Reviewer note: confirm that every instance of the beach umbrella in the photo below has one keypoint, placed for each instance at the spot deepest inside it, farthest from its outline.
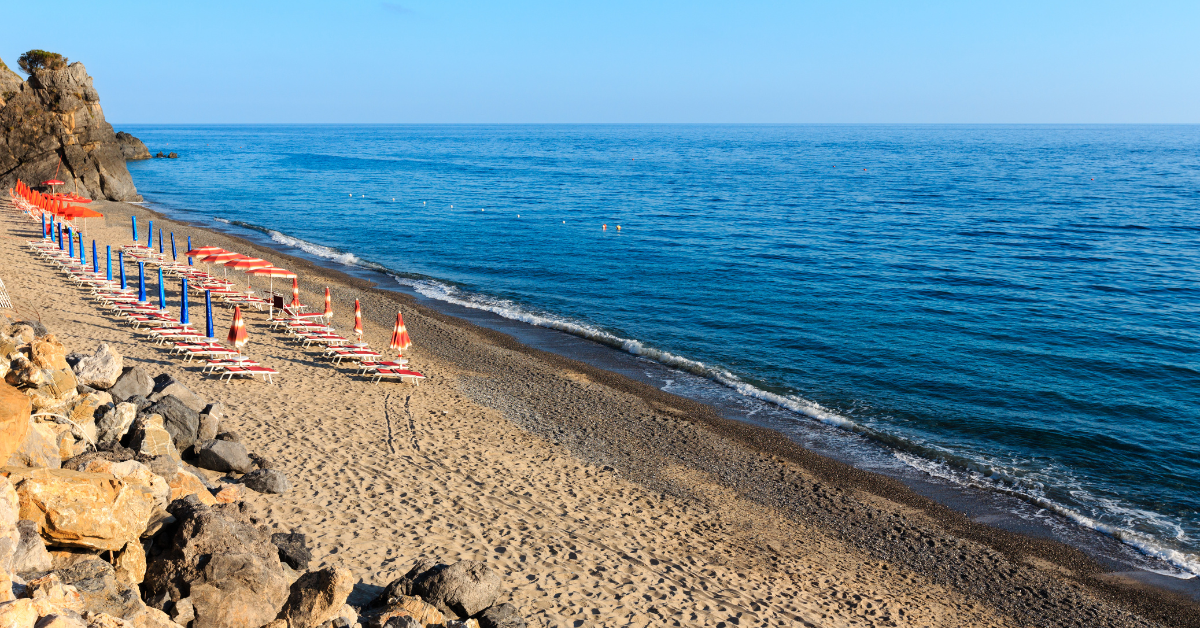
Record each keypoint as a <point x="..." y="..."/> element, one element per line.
<point x="295" y="294"/>
<point x="183" y="308"/>
<point x="189" y="247"/>
<point x="174" y="253"/>
<point x="70" y="243"/>
<point x="160" y="241"/>
<point x="44" y="232"/>
<point x="358" y="330"/>
<point x="141" y="282"/>
<point x="221" y="258"/>
<point x="108" y="264"/>
<point x="400" y="339"/>
<point x="82" y="250"/>
<point x="121" y="265"/>
<point x="52" y="182"/>
<point x="150" y="236"/>
<point x="60" y="242"/>
<point x="328" y="313"/>
<point x="134" y="218"/>
<point x="95" y="259"/>
<point x="237" y="331"/>
<point x="162" y="291"/>
<point x="272" y="272"/>
<point x="202" y="251"/>
<point x="208" y="326"/>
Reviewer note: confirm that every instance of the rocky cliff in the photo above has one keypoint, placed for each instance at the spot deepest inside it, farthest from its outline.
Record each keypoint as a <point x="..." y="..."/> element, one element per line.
<point x="51" y="126"/>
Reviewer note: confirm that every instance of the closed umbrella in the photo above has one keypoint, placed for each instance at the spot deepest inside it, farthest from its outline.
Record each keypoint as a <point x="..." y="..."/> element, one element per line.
<point x="237" y="331"/>
<point x="295" y="293"/>
<point x="183" y="306"/>
<point x="328" y="313"/>
<point x="95" y="259"/>
<point x="82" y="250"/>
<point x="141" y="282"/>
<point x="108" y="263"/>
<point x="121" y="266"/>
<point x="189" y="247"/>
<point x="162" y="291"/>
<point x="160" y="241"/>
<point x="70" y="243"/>
<point x="150" y="236"/>
<point x="174" y="253"/>
<point x="134" y="218"/>
<point x="400" y="339"/>
<point x="44" y="231"/>
<point x="208" y="326"/>
<point x="358" y="330"/>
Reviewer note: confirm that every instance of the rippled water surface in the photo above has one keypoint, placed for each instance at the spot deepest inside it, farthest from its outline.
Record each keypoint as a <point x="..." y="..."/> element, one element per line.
<point x="1009" y="306"/>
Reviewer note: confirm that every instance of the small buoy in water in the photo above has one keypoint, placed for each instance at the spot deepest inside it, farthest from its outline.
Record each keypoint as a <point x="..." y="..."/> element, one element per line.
<point x="864" y="169"/>
<point x="351" y="196"/>
<point x="393" y="198"/>
<point x="605" y="227"/>
<point x="365" y="196"/>
<point x="564" y="222"/>
<point x="451" y="207"/>
<point x="618" y="227"/>
<point x="518" y="215"/>
<point x="422" y="203"/>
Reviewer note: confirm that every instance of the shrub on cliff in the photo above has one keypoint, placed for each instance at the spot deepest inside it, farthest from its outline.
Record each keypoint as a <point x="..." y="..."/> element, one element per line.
<point x="41" y="59"/>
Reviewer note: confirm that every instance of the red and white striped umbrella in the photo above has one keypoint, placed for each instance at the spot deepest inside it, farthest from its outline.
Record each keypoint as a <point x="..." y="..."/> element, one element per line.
<point x="358" y="330"/>
<point x="328" y="305"/>
<point x="237" y="331"/>
<point x="400" y="339"/>
<point x="295" y="293"/>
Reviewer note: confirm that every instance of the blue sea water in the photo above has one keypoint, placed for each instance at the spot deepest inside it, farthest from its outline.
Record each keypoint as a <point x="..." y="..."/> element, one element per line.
<point x="1007" y="306"/>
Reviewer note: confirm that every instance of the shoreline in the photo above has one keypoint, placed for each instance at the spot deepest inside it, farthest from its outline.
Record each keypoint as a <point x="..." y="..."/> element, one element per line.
<point x="762" y="466"/>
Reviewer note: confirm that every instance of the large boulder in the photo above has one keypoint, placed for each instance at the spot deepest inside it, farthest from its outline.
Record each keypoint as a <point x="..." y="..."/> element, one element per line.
<point x="52" y="124"/>
<point x="403" y="610"/>
<point x="134" y="473"/>
<point x="14" y="420"/>
<point x="293" y="549"/>
<point x="317" y="597"/>
<point x="184" y="483"/>
<point x="132" y="149"/>
<point x="462" y="589"/>
<point x="134" y="382"/>
<point x="43" y="446"/>
<point x="225" y="456"/>
<point x="149" y="437"/>
<point x="86" y="510"/>
<point x="267" y="481"/>
<point x="226" y="567"/>
<point x="10" y="536"/>
<point x="31" y="555"/>
<point x="112" y="426"/>
<point x="182" y="422"/>
<point x="102" y="591"/>
<point x="501" y="616"/>
<point x="165" y="386"/>
<point x="83" y="413"/>
<point x="210" y="422"/>
<point x="48" y="353"/>
<point x="100" y="370"/>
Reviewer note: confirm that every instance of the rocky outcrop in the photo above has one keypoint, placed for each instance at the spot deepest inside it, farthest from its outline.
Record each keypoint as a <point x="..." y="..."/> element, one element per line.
<point x="317" y="597"/>
<point x="94" y="511"/>
<point x="99" y="371"/>
<point x="14" y="420"/>
<point x="10" y="83"/>
<point x="462" y="589"/>
<point x="132" y="149"/>
<point x="267" y="481"/>
<point x="52" y="126"/>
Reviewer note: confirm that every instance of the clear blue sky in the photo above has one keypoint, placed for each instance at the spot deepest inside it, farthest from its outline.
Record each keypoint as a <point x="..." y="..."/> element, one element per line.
<point x="615" y="61"/>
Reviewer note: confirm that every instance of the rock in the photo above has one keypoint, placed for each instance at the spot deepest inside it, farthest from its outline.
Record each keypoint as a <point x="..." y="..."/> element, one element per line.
<point x="403" y="621"/>
<point x="454" y="623"/>
<point x="65" y="558"/>
<point x="225" y="456"/>
<point x="261" y="461"/>
<point x="210" y="422"/>
<point x="56" y="394"/>
<point x="185" y="483"/>
<point x="183" y="612"/>
<point x="25" y="331"/>
<point x="83" y="414"/>
<point x="101" y="369"/>
<point x="132" y="149"/>
<point x="31" y="555"/>
<point x="85" y="510"/>
<point x="232" y="437"/>
<point x="140" y="402"/>
<point x="54" y="124"/>
<point x="229" y="493"/>
<point x="267" y="481"/>
<point x="160" y="155"/>
<point x="134" y="382"/>
<point x="41" y="447"/>
<point x="73" y="359"/>
<point x="347" y="617"/>
<point x="53" y="591"/>
<point x="24" y="374"/>
<point x="10" y="537"/>
<point x="179" y="420"/>
<point x="173" y="387"/>
<point x="293" y="549"/>
<point x="388" y="607"/>
<point x="48" y="353"/>
<point x="68" y="619"/>
<point x="134" y="473"/>
<point x="317" y="597"/>
<point x="501" y="616"/>
<point x="172" y="155"/>
<point x="151" y="618"/>
<point x="114" y="424"/>
<point x="130" y="566"/>
<point x="19" y="614"/>
<point x="462" y="589"/>
<point x="14" y="420"/>
<point x="148" y="437"/>
<point x="228" y="567"/>
<point x="97" y="583"/>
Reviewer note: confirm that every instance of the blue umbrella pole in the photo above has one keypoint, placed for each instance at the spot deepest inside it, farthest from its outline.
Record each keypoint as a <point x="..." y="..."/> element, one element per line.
<point x="208" y="325"/>
<point x="141" y="282"/>
<point x="95" y="259"/>
<point x="162" y="291"/>
<point x="150" y="236"/>
<point x="174" y="253"/>
<point x="190" y="248"/>
<point x="121" y="267"/>
<point x="108" y="257"/>
<point x="183" y="304"/>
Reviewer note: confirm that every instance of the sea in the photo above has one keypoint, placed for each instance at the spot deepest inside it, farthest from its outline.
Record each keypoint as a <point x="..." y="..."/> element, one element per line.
<point x="1011" y="310"/>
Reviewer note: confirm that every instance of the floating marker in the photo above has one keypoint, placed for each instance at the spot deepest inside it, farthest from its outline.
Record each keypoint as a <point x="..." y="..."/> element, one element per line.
<point x="605" y="227"/>
<point x="564" y="222"/>
<point x="618" y="227"/>
<point x="518" y="215"/>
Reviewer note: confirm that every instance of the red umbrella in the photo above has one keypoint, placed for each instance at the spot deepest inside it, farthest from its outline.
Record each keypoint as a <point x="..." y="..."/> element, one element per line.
<point x="272" y="272"/>
<point x="52" y="182"/>
<point x="205" y="251"/>
<point x="400" y="339"/>
<point x="358" y="331"/>
<point x="248" y="263"/>
<point x="328" y="305"/>
<point x="295" y="294"/>
<point x="237" y="331"/>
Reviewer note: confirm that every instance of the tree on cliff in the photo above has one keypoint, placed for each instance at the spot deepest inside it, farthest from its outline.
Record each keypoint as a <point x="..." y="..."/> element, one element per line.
<point x="41" y="59"/>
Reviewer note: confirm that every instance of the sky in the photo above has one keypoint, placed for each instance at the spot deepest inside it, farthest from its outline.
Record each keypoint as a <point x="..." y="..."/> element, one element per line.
<point x="410" y="61"/>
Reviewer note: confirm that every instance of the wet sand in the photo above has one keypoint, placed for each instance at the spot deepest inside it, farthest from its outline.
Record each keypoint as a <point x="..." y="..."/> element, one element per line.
<point x="602" y="501"/>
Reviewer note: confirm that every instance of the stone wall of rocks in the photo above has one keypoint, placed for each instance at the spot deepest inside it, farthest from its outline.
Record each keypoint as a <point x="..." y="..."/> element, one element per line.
<point x="121" y="505"/>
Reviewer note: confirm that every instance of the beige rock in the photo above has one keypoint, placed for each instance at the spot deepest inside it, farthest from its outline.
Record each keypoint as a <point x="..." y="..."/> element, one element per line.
<point x="317" y="597"/>
<point x="134" y="472"/>
<point x="62" y="620"/>
<point x="10" y="536"/>
<point x="114" y="425"/>
<point x="184" y="484"/>
<point x="152" y="439"/>
<point x="40" y="447"/>
<point x="51" y="589"/>
<point x="104" y="620"/>
<point x="56" y="395"/>
<point x="14" y="419"/>
<point x="23" y="373"/>
<point x="278" y="623"/>
<point x="100" y="370"/>
<point x="151" y="618"/>
<point x="77" y="509"/>
<point x="21" y="613"/>
<point x="48" y="353"/>
<point x="229" y="493"/>
<point x="131" y="563"/>
<point x="409" y="606"/>
<point x="83" y="413"/>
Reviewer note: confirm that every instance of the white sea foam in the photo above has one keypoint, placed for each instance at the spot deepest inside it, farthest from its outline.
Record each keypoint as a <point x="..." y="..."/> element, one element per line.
<point x="324" y="252"/>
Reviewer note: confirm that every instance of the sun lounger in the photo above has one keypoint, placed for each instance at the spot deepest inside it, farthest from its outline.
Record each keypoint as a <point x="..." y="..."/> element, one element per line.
<point x="405" y="376"/>
<point x="366" y="366"/>
<point x="337" y="355"/>
<point x="248" y="371"/>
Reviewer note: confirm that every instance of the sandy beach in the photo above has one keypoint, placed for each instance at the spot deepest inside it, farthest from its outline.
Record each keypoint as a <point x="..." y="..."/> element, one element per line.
<point x="601" y="501"/>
